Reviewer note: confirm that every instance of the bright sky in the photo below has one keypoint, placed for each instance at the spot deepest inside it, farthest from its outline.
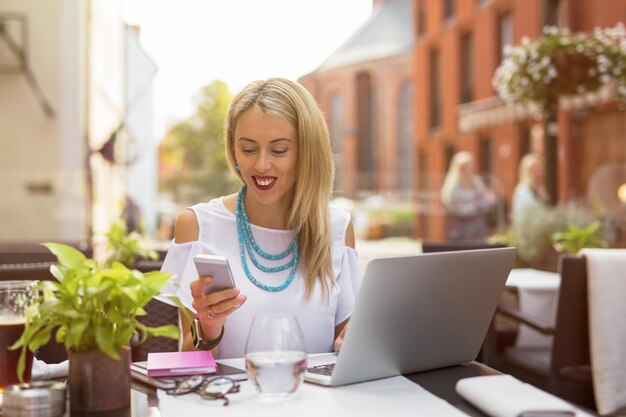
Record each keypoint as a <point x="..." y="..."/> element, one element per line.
<point x="194" y="42"/>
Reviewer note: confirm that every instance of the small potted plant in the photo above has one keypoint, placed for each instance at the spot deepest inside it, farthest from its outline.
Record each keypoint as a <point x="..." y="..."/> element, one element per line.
<point x="576" y="238"/>
<point x="127" y="247"/>
<point x="94" y="310"/>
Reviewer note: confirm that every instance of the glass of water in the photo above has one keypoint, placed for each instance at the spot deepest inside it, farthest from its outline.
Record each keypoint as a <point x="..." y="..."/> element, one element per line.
<point x="275" y="354"/>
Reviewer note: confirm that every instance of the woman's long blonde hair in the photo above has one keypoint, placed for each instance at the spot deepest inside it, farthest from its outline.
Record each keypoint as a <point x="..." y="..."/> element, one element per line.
<point x="453" y="177"/>
<point x="309" y="215"/>
<point x="526" y="176"/>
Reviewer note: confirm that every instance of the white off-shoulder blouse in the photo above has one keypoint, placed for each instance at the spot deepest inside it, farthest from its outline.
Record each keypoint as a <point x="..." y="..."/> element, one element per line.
<point x="317" y="317"/>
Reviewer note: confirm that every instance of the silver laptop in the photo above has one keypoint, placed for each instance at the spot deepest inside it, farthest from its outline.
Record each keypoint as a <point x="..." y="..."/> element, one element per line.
<point x="415" y="313"/>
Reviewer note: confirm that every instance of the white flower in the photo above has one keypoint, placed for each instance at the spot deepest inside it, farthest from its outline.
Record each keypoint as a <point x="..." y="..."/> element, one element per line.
<point x="530" y="65"/>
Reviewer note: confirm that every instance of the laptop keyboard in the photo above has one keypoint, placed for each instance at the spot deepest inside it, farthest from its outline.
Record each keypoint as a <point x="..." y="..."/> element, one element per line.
<point x="326" y="369"/>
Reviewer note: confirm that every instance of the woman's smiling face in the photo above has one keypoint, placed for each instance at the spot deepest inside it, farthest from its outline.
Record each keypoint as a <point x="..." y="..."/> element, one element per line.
<point x="266" y="150"/>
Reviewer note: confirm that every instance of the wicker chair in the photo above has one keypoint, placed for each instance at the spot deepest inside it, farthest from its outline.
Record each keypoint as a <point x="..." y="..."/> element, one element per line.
<point x="158" y="314"/>
<point x="20" y="253"/>
<point x="39" y="271"/>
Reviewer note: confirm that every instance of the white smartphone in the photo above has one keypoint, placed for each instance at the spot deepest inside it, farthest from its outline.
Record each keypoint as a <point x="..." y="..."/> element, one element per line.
<point x="218" y="268"/>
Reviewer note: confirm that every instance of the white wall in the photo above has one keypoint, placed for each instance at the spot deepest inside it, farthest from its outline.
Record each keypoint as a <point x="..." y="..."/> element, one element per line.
<point x="142" y="174"/>
<point x="78" y="64"/>
<point x="106" y="107"/>
<point x="33" y="158"/>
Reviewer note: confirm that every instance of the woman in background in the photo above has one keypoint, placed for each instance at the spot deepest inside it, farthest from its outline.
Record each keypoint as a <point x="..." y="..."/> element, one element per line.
<point x="467" y="200"/>
<point x="530" y="190"/>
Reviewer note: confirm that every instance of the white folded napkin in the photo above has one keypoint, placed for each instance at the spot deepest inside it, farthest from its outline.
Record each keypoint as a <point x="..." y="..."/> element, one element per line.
<point x="606" y="282"/>
<point x="506" y="396"/>
<point x="42" y="370"/>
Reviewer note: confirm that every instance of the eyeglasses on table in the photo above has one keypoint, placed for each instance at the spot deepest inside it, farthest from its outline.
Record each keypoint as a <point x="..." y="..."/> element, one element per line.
<point x="209" y="388"/>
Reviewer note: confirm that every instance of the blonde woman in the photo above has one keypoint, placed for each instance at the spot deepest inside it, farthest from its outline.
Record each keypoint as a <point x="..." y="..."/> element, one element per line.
<point x="467" y="200"/>
<point x="530" y="190"/>
<point x="278" y="145"/>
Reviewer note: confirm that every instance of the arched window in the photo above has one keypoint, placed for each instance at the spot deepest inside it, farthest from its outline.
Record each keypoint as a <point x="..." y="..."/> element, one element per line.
<point x="405" y="139"/>
<point x="365" y="132"/>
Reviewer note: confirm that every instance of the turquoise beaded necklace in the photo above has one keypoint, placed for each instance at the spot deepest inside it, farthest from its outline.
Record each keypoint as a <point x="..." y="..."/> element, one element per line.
<point x="247" y="242"/>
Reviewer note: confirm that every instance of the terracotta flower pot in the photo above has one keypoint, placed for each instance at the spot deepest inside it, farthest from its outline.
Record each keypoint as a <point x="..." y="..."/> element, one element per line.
<point x="99" y="383"/>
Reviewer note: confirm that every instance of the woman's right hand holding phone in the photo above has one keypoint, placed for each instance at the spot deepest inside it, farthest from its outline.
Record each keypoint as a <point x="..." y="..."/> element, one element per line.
<point x="212" y="309"/>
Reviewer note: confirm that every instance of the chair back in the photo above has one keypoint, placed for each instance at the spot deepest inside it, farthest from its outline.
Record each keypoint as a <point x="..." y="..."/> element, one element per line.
<point x="570" y="349"/>
<point x="39" y="271"/>
<point x="570" y="375"/>
<point x="158" y="314"/>
<point x="20" y="253"/>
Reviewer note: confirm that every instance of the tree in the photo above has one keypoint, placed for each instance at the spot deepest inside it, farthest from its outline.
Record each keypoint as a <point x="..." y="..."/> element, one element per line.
<point x="192" y="155"/>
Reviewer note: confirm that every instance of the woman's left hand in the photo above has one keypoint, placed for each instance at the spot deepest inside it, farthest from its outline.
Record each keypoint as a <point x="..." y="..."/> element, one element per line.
<point x="342" y="333"/>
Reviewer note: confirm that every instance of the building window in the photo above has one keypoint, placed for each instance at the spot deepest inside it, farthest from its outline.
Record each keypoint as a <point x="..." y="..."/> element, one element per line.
<point x="448" y="9"/>
<point x="336" y="136"/>
<point x="505" y="33"/>
<point x="485" y="157"/>
<point x="449" y="152"/>
<point x="405" y="139"/>
<point x="467" y="68"/>
<point x="421" y="18"/>
<point x="435" y="89"/>
<point x="550" y="15"/>
<point x="365" y="133"/>
<point x="524" y="140"/>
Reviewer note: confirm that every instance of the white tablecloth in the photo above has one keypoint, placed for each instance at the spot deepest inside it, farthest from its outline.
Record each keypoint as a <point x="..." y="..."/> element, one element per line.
<point x="538" y="293"/>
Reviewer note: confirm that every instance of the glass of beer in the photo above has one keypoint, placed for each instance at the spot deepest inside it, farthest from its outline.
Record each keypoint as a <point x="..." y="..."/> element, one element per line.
<point x="15" y="296"/>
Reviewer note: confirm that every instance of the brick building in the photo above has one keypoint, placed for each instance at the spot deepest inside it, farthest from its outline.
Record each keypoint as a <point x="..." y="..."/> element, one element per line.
<point x="458" y="46"/>
<point x="365" y="89"/>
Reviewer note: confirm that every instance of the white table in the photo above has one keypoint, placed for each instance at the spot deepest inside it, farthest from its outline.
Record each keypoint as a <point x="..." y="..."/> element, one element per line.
<point x="396" y="396"/>
<point x="538" y="293"/>
<point x="430" y="393"/>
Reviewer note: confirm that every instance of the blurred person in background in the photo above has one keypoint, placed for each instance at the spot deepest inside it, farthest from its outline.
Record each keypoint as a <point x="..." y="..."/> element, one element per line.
<point x="131" y="213"/>
<point x="530" y="190"/>
<point x="467" y="200"/>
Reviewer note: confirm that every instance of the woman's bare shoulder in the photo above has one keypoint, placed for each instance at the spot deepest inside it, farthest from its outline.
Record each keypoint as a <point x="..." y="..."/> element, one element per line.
<point x="187" y="229"/>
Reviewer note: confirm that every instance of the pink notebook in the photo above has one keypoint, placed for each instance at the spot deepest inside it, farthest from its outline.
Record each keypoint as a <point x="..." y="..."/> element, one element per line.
<point x="180" y="363"/>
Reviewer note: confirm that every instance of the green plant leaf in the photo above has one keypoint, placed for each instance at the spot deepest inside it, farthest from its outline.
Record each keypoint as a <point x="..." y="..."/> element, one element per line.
<point x="61" y="332"/>
<point x="104" y="339"/>
<point x="40" y="338"/>
<point x="75" y="332"/>
<point x="124" y="335"/>
<point x="57" y="272"/>
<point x="170" y="331"/>
<point x="67" y="255"/>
